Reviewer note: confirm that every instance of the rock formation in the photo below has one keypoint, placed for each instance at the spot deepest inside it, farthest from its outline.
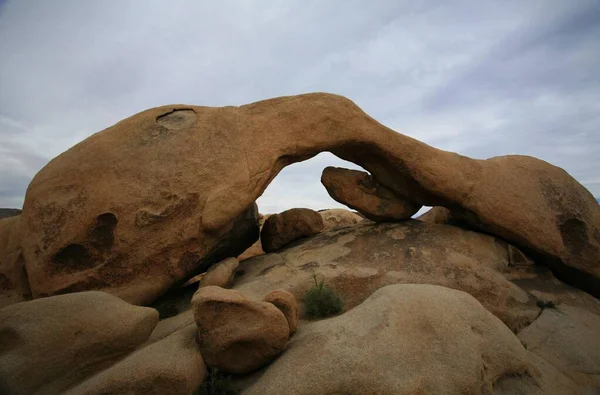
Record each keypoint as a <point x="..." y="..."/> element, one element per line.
<point x="171" y="219"/>
<point x="221" y="274"/>
<point x="358" y="190"/>
<point x="283" y="228"/>
<point x="52" y="343"/>
<point x="286" y="303"/>
<point x="410" y="339"/>
<point x="235" y="334"/>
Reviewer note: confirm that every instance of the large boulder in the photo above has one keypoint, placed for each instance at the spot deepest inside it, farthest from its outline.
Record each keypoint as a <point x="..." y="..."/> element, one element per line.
<point x="235" y="334"/>
<point x="287" y="226"/>
<point x="100" y="217"/>
<point x="360" y="191"/>
<point x="410" y="339"/>
<point x="568" y="338"/>
<point x="52" y="343"/>
<point x="356" y="261"/>
<point x="14" y="285"/>
<point x="171" y="366"/>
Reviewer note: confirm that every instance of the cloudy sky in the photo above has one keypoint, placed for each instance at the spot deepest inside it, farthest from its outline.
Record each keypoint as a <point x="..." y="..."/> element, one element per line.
<point x="481" y="78"/>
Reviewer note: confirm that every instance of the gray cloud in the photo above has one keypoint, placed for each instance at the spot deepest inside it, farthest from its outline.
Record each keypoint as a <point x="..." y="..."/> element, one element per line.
<point x="481" y="78"/>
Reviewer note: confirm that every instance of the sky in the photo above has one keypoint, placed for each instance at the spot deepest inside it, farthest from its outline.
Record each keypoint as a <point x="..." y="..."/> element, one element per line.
<point x="481" y="78"/>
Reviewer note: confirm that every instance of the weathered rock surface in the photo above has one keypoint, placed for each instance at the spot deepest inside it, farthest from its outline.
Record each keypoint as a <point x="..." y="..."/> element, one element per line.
<point x="221" y="274"/>
<point x="9" y="212"/>
<point x="339" y="218"/>
<point x="171" y="366"/>
<point x="235" y="334"/>
<point x="410" y="339"/>
<point x="256" y="248"/>
<point x="52" y="343"/>
<point x="287" y="304"/>
<point x="287" y="226"/>
<point x="360" y="191"/>
<point x="167" y="219"/>
<point x="568" y="338"/>
<point x="356" y="261"/>
<point x="14" y="285"/>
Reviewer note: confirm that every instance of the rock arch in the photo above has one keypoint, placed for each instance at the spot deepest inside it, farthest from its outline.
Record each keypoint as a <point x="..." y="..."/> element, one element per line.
<point x="182" y="181"/>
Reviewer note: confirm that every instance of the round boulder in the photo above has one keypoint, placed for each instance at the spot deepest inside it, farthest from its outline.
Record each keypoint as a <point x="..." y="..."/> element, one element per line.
<point x="286" y="302"/>
<point x="237" y="335"/>
<point x="283" y="228"/>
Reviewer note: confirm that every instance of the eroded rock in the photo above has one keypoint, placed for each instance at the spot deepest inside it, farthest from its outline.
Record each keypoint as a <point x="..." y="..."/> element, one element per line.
<point x="410" y="339"/>
<point x="235" y="334"/>
<point x="14" y="284"/>
<point x="286" y="302"/>
<point x="360" y="191"/>
<point x="52" y="343"/>
<point x="173" y="215"/>
<point x="221" y="274"/>
<point x="287" y="226"/>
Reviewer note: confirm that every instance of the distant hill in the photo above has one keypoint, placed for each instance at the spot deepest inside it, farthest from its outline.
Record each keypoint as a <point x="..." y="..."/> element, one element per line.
<point x="9" y="212"/>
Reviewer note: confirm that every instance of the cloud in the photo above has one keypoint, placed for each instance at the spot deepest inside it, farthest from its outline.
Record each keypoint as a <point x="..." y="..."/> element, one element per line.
<point x="479" y="78"/>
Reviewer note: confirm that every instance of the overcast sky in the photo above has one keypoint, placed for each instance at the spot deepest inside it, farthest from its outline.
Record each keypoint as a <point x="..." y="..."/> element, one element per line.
<point x="482" y="78"/>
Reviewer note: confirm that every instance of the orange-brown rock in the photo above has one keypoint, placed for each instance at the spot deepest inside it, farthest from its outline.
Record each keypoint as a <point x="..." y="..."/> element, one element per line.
<point x="156" y="196"/>
<point x="286" y="302"/>
<point x="287" y="226"/>
<point x="221" y="274"/>
<point x="235" y="334"/>
<point x="360" y="191"/>
<point x="49" y="344"/>
<point x="410" y="339"/>
<point x="14" y="285"/>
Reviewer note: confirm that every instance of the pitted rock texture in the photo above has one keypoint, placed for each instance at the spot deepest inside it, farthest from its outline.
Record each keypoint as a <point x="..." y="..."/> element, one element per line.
<point x="358" y="190"/>
<point x="176" y="182"/>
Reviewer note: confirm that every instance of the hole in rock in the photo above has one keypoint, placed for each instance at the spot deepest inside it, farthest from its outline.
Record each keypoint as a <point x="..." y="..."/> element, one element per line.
<point x="73" y="257"/>
<point x="103" y="232"/>
<point x="299" y="185"/>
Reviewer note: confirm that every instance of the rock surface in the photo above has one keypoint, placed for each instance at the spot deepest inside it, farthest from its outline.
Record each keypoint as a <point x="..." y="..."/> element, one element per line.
<point x="9" y="212"/>
<point x="221" y="274"/>
<point x="410" y="339"/>
<point x="52" y="343"/>
<point x="287" y="304"/>
<point x="356" y="261"/>
<point x="569" y="339"/>
<point x="167" y="220"/>
<point x="360" y="191"/>
<point x="339" y="218"/>
<point x="287" y="226"/>
<point x="14" y="285"/>
<point x="235" y="334"/>
<point x="171" y="366"/>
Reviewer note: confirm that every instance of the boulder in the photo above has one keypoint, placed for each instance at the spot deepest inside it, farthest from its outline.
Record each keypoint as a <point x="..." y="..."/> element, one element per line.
<point x="286" y="302"/>
<point x="171" y="366"/>
<point x="356" y="261"/>
<point x="568" y="338"/>
<point x="52" y="343"/>
<point x="410" y="339"/>
<point x="9" y="212"/>
<point x="256" y="248"/>
<point x="98" y="217"/>
<point x="221" y="274"/>
<point x="360" y="191"/>
<point x="14" y="285"/>
<point x="339" y="218"/>
<point x="283" y="228"/>
<point x="235" y="334"/>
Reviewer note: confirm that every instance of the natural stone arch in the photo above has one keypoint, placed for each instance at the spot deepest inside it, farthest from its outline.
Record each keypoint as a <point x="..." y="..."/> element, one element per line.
<point x="181" y="179"/>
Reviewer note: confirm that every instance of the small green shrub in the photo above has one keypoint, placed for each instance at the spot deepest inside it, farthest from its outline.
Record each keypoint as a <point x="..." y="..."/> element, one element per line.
<point x="321" y="301"/>
<point x="545" y="304"/>
<point x="216" y="384"/>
